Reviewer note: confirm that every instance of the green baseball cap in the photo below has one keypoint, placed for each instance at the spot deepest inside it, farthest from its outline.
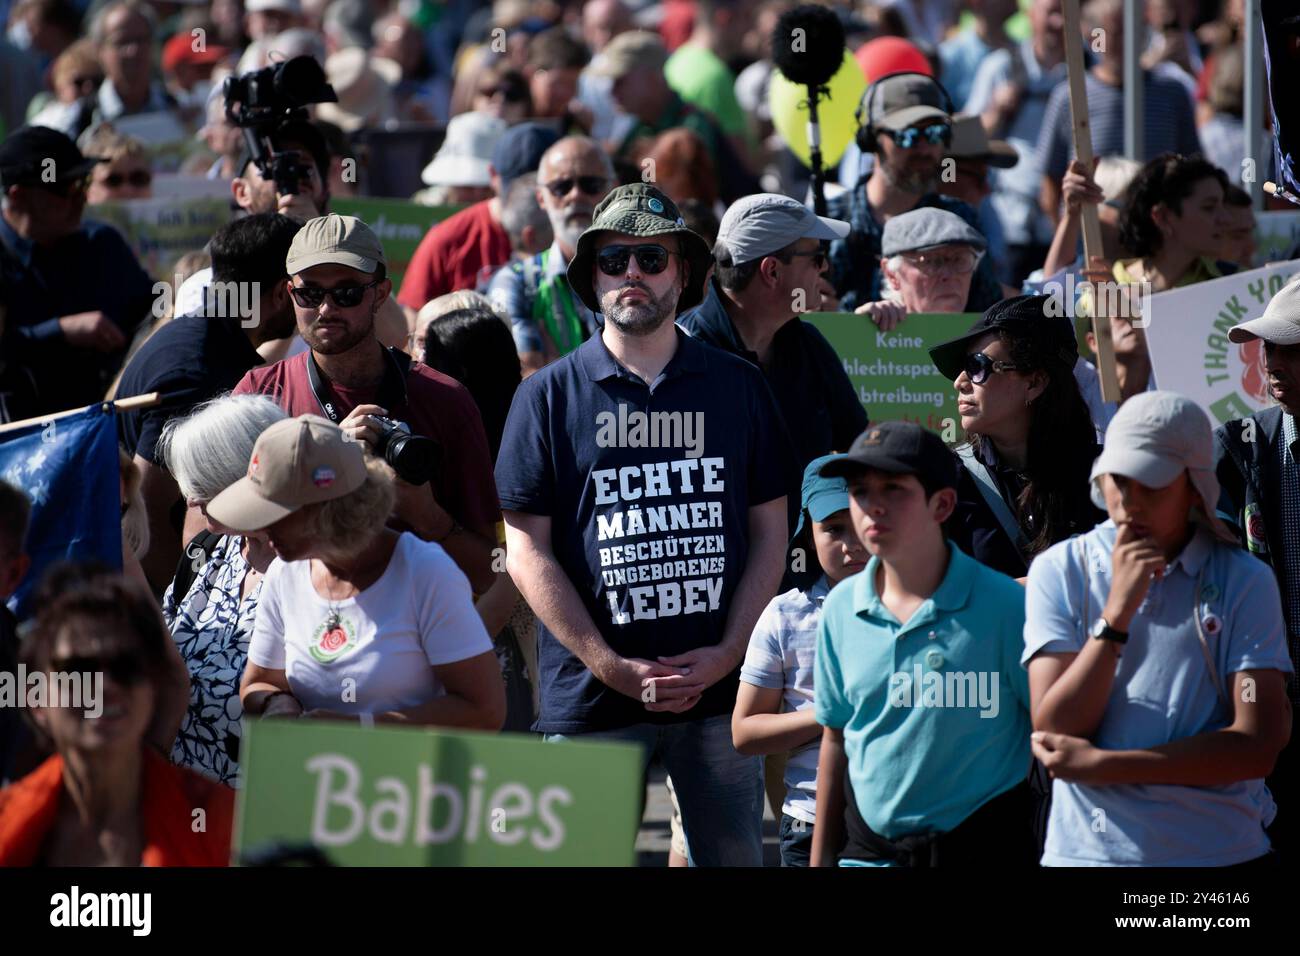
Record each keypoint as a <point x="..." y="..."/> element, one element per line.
<point x="643" y="211"/>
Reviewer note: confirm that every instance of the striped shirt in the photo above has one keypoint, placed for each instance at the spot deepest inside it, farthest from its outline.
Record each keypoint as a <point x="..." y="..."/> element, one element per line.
<point x="1169" y="123"/>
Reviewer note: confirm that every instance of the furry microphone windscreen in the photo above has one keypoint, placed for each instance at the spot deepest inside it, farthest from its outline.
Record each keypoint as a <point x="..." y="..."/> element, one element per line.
<point x="808" y="44"/>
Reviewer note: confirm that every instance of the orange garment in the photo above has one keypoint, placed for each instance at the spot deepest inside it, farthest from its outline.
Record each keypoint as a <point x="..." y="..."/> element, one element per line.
<point x="171" y="794"/>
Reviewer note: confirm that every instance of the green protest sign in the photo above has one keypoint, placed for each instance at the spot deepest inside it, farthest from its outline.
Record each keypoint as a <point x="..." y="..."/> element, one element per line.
<point x="399" y="224"/>
<point x="892" y="372"/>
<point x="163" y="229"/>
<point x="416" y="797"/>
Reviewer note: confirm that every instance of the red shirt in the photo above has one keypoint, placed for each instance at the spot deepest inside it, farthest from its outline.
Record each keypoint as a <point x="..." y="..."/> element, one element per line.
<point x="439" y="407"/>
<point x="452" y="253"/>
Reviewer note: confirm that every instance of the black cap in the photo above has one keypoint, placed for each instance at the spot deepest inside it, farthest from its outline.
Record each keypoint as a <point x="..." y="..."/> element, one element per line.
<point x="1037" y="320"/>
<point x="24" y="155"/>
<point x="902" y="448"/>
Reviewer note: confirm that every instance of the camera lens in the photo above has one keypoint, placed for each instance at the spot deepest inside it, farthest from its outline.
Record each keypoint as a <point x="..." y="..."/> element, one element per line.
<point x="413" y="457"/>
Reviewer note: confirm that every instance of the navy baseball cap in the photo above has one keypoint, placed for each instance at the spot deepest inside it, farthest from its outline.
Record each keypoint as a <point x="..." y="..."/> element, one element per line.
<point x="520" y="149"/>
<point x="902" y="448"/>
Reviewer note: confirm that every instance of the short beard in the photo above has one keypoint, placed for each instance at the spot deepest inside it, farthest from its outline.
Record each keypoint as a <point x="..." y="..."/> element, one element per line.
<point x="912" y="182"/>
<point x="641" y="318"/>
<point x="351" y="341"/>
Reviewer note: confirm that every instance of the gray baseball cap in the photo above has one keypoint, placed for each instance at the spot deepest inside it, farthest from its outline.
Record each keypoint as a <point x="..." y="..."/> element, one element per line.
<point x="896" y="102"/>
<point x="758" y="225"/>
<point x="927" y="227"/>
<point x="1280" y="323"/>
<point x="1152" y="439"/>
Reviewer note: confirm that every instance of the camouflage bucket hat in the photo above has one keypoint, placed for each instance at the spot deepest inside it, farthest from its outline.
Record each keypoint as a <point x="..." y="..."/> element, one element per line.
<point x="643" y="211"/>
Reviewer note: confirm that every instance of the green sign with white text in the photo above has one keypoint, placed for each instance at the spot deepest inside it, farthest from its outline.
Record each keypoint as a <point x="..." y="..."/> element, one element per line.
<point x="892" y="372"/>
<point x="415" y="797"/>
<point x="399" y="223"/>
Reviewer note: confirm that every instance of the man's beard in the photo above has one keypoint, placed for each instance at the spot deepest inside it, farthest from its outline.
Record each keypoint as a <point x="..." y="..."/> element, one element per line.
<point x="913" y="180"/>
<point x="350" y="340"/>
<point x="570" y="225"/>
<point x="639" y="318"/>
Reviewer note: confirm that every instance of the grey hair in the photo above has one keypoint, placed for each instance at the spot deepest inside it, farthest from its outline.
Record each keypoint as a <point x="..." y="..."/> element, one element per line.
<point x="207" y="451"/>
<point x="521" y="210"/>
<point x="99" y="30"/>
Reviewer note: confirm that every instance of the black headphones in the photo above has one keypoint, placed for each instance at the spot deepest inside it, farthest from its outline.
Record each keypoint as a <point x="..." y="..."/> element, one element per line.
<point x="866" y="138"/>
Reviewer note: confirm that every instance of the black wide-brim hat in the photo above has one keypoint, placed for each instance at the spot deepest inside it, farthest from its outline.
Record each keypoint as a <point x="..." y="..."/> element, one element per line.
<point x="643" y="211"/>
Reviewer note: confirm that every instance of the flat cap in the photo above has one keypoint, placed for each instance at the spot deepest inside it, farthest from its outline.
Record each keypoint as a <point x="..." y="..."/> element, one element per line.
<point x="926" y="227"/>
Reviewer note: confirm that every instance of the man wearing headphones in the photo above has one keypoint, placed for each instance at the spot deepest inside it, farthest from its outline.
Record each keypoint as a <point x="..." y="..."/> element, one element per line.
<point x="905" y="120"/>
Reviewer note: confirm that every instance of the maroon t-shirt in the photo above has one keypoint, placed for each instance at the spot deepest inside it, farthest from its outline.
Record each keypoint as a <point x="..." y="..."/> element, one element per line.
<point x="438" y="407"/>
<point x="452" y="254"/>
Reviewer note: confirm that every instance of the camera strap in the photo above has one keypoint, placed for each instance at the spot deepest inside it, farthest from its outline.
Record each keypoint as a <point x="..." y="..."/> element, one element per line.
<point x="392" y="390"/>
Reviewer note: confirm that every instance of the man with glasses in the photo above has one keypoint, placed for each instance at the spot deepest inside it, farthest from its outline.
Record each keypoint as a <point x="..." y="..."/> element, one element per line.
<point x="75" y="291"/>
<point x="547" y="319"/>
<point x="338" y="282"/>
<point x="907" y="126"/>
<point x="768" y="259"/>
<point x="649" y="548"/>
<point x="124" y="32"/>
<point x="928" y="259"/>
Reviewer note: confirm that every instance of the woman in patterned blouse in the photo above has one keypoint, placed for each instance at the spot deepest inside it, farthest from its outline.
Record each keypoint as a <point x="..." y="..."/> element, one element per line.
<point x="210" y="607"/>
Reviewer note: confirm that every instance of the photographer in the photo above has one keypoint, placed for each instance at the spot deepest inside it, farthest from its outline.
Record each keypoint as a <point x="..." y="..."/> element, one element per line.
<point x="338" y="280"/>
<point x="300" y="140"/>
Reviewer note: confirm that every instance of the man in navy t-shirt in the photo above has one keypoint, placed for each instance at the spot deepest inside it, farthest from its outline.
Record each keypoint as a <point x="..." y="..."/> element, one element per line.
<point x="644" y="501"/>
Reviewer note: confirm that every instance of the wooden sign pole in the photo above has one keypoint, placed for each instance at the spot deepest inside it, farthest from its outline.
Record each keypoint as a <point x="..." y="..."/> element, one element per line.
<point x="1082" y="133"/>
<point x="121" y="404"/>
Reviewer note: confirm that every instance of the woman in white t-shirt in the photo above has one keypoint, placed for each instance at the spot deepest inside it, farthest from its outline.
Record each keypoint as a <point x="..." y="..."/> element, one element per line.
<point x="356" y="621"/>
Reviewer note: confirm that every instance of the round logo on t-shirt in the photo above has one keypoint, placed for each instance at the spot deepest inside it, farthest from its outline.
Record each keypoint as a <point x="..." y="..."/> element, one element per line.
<point x="334" y="637"/>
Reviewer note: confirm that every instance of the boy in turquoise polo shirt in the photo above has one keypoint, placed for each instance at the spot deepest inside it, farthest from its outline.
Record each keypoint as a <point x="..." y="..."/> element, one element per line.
<point x="919" y="688"/>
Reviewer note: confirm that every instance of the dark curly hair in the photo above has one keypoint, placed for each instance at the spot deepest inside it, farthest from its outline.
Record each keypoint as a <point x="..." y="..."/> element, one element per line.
<point x="1169" y="178"/>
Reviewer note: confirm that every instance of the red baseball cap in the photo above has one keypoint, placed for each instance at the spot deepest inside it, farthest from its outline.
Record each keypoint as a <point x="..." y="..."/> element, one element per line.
<point x="181" y="49"/>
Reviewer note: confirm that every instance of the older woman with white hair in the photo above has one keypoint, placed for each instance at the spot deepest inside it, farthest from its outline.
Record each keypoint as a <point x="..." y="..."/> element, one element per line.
<point x="928" y="258"/>
<point x="211" y="606"/>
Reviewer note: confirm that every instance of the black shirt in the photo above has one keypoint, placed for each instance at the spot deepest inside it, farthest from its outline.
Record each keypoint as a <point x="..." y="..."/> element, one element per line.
<point x="189" y="360"/>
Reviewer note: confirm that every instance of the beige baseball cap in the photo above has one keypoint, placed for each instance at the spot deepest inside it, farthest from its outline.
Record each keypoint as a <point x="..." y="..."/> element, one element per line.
<point x="295" y="462"/>
<point x="341" y="240"/>
<point x="629" y="50"/>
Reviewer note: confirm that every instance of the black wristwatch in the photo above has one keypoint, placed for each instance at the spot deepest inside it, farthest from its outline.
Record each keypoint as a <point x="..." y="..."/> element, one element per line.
<point x="1102" y="631"/>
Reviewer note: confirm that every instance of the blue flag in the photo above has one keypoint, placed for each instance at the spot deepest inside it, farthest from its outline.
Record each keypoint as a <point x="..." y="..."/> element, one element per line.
<point x="68" y="467"/>
<point x="1282" y="60"/>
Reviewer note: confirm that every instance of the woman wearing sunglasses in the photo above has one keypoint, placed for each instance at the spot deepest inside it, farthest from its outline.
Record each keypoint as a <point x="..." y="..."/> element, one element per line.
<point x="1031" y="439"/>
<point x="108" y="796"/>
<point x="125" y="173"/>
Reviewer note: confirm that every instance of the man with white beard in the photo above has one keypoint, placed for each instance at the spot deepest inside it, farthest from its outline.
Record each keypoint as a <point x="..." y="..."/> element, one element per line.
<point x="547" y="319"/>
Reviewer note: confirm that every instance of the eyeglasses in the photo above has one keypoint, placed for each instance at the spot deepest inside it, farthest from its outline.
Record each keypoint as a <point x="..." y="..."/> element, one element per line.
<point x="818" y="256"/>
<point x="136" y="177"/>
<point x="950" y="262"/>
<point x="126" y="668"/>
<point x="651" y="259"/>
<point x="591" y="185"/>
<point x="344" y="296"/>
<point x="978" y="367"/>
<point x="934" y="134"/>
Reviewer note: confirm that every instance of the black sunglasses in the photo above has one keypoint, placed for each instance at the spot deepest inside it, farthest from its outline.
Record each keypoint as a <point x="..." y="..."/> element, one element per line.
<point x="591" y="185"/>
<point x="126" y="668"/>
<point x="651" y="259"/>
<point x="978" y="367"/>
<point x="344" y="296"/>
<point x="934" y="134"/>
<point x="136" y="177"/>
<point x="819" y="257"/>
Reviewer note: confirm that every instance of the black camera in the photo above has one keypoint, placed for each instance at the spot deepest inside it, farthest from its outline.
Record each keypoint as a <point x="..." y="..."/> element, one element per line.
<point x="268" y="99"/>
<point x="415" y="458"/>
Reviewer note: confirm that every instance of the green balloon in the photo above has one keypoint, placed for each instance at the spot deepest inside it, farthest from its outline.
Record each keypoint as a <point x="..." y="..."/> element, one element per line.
<point x="835" y="114"/>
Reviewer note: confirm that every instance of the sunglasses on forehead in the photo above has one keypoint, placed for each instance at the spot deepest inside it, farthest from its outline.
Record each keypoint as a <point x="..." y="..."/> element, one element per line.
<point x="344" y="296"/>
<point x="934" y="134"/>
<point x="591" y="185"/>
<point x="650" y="259"/>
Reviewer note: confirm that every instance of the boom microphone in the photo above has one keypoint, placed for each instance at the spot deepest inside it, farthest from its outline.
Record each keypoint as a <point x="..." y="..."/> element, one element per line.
<point x="813" y="56"/>
<point x="808" y="48"/>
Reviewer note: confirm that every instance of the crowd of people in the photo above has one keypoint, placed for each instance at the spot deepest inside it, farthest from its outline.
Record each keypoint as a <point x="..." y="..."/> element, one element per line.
<point x="580" y="469"/>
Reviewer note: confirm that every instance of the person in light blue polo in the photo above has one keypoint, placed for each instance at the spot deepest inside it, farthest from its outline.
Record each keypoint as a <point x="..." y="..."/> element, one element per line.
<point x="1157" y="660"/>
<point x="924" y="706"/>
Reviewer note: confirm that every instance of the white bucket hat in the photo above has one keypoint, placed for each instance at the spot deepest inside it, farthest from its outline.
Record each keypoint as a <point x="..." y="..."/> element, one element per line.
<point x="466" y="151"/>
<point x="1152" y="439"/>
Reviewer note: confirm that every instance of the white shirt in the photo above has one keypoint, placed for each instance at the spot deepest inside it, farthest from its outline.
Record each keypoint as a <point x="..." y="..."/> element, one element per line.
<point x="374" y="652"/>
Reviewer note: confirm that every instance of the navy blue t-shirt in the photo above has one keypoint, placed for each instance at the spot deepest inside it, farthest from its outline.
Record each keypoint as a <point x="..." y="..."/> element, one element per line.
<point x="648" y="489"/>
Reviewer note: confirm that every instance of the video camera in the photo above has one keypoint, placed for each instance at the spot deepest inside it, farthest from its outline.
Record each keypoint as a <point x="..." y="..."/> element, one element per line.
<point x="268" y="99"/>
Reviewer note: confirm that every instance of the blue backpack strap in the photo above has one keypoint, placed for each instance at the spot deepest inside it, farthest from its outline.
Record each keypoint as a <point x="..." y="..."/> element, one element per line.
<point x="988" y="487"/>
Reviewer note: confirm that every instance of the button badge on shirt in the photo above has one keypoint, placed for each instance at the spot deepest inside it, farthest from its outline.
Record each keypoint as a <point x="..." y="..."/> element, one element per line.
<point x="933" y="660"/>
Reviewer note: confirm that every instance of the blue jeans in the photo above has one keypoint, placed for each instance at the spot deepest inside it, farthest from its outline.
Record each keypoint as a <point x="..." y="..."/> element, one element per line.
<point x="796" y="841"/>
<point x="720" y="791"/>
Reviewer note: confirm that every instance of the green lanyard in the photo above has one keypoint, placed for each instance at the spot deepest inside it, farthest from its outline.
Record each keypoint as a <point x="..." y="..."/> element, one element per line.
<point x="553" y="308"/>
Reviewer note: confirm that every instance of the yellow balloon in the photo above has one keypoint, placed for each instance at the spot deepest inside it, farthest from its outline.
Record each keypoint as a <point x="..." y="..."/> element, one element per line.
<point x="835" y="113"/>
